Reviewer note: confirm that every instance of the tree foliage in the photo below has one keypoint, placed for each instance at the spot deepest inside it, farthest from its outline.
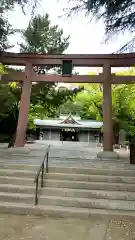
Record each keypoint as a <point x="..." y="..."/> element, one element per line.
<point x="118" y="15"/>
<point x="6" y="5"/>
<point x="5" y="27"/>
<point x="124" y="107"/>
<point x="9" y="108"/>
<point x="124" y="103"/>
<point x="42" y="37"/>
<point x="5" y="31"/>
<point x="87" y="103"/>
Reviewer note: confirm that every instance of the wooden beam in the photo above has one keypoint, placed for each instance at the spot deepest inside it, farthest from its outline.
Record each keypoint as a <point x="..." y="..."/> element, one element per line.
<point x="21" y="76"/>
<point x="72" y="79"/>
<point x="122" y="79"/>
<point x="66" y="56"/>
<point x="14" y="76"/>
<point x="84" y="60"/>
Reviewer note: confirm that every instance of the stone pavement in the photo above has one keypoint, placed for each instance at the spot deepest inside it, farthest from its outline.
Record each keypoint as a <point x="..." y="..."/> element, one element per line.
<point x="14" y="227"/>
<point x="68" y="154"/>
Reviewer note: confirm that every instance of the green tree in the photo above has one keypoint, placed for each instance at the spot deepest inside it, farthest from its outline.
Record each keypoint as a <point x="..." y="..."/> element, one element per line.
<point x="5" y="27"/>
<point x="87" y="103"/>
<point x="9" y="106"/>
<point x="90" y="101"/>
<point x="124" y="107"/>
<point x="123" y="97"/>
<point x="5" y="31"/>
<point x="2" y="69"/>
<point x="6" y="5"/>
<point x="70" y="107"/>
<point x="118" y="15"/>
<point x="42" y="37"/>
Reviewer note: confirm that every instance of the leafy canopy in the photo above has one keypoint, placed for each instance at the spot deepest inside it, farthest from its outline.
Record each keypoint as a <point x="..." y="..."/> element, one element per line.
<point x="5" y="31"/>
<point x="118" y="15"/>
<point x="42" y="37"/>
<point x="6" y="5"/>
<point x="5" y="27"/>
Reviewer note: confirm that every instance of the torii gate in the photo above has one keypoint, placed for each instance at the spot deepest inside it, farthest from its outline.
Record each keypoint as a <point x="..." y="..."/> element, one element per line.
<point x="106" y="61"/>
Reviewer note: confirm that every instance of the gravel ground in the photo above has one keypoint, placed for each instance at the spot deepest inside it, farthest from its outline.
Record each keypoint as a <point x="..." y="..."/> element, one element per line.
<point x="14" y="227"/>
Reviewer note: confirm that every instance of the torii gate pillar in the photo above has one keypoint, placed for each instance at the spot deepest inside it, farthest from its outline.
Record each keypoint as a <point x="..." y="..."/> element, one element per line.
<point x="107" y="111"/>
<point x="24" y="108"/>
<point x="107" y="116"/>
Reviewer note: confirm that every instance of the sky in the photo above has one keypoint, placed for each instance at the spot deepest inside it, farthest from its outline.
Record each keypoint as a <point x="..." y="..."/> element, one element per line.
<point x="85" y="37"/>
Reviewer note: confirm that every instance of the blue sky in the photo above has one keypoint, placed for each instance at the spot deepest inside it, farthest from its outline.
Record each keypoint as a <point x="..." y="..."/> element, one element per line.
<point x="85" y="37"/>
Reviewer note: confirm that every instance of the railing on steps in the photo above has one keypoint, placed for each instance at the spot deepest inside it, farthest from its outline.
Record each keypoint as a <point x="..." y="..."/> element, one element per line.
<point x="43" y="166"/>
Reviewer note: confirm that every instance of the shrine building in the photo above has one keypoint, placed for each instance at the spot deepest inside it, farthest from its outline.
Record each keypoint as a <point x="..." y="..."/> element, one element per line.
<point x="69" y="128"/>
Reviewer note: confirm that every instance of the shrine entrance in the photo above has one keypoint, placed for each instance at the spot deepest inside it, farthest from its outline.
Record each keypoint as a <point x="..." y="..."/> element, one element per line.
<point x="69" y="135"/>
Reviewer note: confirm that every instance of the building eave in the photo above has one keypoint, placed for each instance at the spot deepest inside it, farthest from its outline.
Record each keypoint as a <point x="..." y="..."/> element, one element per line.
<point x="90" y="125"/>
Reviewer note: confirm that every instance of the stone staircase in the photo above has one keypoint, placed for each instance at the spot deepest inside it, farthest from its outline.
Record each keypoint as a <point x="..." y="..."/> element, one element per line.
<point x="68" y="192"/>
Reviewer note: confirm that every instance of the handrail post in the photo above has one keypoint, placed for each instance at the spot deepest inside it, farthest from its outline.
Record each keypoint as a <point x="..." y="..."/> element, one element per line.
<point x="47" y="162"/>
<point x="42" y="176"/>
<point x="36" y="193"/>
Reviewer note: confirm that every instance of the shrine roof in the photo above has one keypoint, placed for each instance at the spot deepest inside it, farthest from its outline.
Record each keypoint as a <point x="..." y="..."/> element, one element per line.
<point x="70" y="122"/>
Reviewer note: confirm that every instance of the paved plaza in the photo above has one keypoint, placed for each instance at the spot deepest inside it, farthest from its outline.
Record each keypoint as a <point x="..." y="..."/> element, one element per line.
<point x="14" y="227"/>
<point x="67" y="154"/>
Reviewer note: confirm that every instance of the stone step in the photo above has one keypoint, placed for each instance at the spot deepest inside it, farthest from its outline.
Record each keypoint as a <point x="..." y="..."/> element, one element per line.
<point x="55" y="183"/>
<point x="70" y="202"/>
<point x="17" y="180"/>
<point x="5" y="176"/>
<point x="17" y="197"/>
<point x="66" y="162"/>
<point x="66" y="192"/>
<point x="93" y="171"/>
<point x="90" y="178"/>
<point x="58" y="211"/>
<point x="89" y="185"/>
<point x="83" y="193"/>
<point x="88" y="203"/>
<point x="32" y="169"/>
<point x="18" y="167"/>
<point x="10" y="188"/>
<point x="17" y="173"/>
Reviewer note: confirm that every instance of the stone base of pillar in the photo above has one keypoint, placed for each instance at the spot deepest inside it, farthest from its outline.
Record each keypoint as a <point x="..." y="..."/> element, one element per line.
<point x="19" y="150"/>
<point x="107" y="155"/>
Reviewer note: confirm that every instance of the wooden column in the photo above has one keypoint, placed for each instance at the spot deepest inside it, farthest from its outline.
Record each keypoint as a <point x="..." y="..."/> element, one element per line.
<point x="24" y="108"/>
<point x="107" y="110"/>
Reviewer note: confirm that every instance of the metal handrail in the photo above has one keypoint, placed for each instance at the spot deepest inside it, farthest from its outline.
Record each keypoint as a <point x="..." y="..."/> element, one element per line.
<point x="41" y="169"/>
